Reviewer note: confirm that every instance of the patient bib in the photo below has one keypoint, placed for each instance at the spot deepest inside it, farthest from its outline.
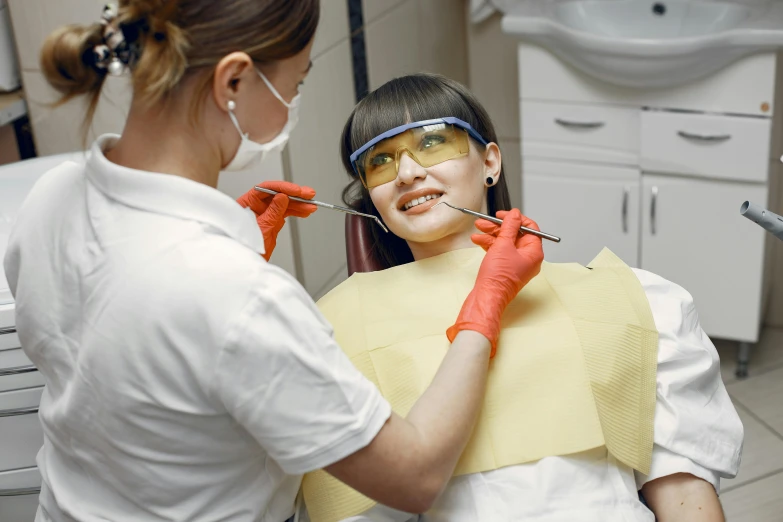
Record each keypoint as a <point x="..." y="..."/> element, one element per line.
<point x="575" y="365"/>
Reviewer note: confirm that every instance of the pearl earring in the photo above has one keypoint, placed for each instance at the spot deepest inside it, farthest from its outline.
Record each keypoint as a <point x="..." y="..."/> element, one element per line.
<point x="116" y="67"/>
<point x="490" y="181"/>
<point x="232" y="105"/>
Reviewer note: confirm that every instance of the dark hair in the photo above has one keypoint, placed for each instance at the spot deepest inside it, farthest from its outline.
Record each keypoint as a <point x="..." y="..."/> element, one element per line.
<point x="176" y="37"/>
<point x="402" y="100"/>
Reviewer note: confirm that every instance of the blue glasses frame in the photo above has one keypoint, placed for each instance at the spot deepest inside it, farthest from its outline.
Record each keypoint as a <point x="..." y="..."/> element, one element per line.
<point x="402" y="128"/>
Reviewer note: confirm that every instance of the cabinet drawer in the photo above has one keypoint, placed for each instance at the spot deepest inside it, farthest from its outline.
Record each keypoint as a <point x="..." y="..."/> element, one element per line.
<point x="720" y="147"/>
<point x="19" y="490"/>
<point x="580" y="132"/>
<point x="9" y="339"/>
<point x="21" y="435"/>
<point x="15" y="371"/>
<point x="7" y="318"/>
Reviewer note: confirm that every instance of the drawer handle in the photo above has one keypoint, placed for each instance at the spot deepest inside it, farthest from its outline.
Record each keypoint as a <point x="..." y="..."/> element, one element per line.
<point x="626" y="195"/>
<point x="8" y="330"/>
<point x="16" y="370"/>
<point x="19" y="492"/>
<point x="19" y="411"/>
<point x="653" y="204"/>
<point x="579" y="124"/>
<point x="703" y="137"/>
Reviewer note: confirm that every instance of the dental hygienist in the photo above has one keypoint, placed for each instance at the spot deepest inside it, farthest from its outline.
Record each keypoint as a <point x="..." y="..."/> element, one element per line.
<point x="187" y="378"/>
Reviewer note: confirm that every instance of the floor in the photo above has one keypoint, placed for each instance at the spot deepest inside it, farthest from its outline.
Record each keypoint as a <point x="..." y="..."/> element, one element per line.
<point x="756" y="494"/>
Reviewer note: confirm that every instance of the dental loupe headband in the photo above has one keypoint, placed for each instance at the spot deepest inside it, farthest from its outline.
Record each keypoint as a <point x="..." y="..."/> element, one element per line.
<point x="402" y="128"/>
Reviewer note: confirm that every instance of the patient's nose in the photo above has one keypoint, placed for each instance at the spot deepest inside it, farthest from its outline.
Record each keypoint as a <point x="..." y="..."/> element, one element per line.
<point x="409" y="170"/>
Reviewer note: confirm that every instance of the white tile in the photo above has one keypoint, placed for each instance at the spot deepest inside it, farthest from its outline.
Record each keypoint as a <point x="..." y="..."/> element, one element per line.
<point x="511" y="154"/>
<point x="33" y="20"/>
<point x="763" y="395"/>
<point x="762" y="452"/>
<point x="237" y="183"/>
<point x="761" y="501"/>
<point x="327" y="101"/>
<point x="443" y="44"/>
<point x="492" y="59"/>
<point x="393" y="46"/>
<point x="333" y="26"/>
<point x="373" y="9"/>
<point x="58" y="129"/>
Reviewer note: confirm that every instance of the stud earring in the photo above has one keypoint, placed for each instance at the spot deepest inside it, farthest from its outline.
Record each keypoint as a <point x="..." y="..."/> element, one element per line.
<point x="490" y="181"/>
<point x="231" y="105"/>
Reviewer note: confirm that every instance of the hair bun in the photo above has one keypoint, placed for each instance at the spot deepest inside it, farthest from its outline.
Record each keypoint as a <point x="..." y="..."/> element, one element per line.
<point x="66" y="58"/>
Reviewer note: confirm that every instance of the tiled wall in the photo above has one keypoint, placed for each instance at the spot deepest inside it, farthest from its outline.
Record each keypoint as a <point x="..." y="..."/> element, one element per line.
<point x="401" y="36"/>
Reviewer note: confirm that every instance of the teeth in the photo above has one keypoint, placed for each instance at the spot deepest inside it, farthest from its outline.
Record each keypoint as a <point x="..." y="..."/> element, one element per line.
<point x="420" y="200"/>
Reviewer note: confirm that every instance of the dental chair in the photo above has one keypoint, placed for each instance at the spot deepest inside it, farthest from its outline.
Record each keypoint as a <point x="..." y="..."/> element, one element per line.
<point x="358" y="245"/>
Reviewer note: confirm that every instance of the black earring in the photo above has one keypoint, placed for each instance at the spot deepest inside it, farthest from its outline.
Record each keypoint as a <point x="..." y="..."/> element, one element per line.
<point x="490" y="181"/>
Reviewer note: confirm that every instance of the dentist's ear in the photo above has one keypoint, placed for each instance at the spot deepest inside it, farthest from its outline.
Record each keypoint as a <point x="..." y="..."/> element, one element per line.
<point x="492" y="163"/>
<point x="230" y="77"/>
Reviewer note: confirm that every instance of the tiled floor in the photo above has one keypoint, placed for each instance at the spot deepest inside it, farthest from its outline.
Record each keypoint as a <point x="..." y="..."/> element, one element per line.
<point x="756" y="494"/>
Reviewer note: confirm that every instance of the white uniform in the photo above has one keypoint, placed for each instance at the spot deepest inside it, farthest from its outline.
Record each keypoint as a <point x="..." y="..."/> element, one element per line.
<point x="187" y="379"/>
<point x="696" y="431"/>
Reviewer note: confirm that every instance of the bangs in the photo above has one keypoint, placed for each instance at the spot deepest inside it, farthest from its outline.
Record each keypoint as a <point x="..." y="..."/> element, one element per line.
<point x="406" y="100"/>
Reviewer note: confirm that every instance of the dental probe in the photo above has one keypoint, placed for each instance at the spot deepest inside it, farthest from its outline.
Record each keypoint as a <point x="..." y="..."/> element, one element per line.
<point x="338" y="208"/>
<point x="498" y="221"/>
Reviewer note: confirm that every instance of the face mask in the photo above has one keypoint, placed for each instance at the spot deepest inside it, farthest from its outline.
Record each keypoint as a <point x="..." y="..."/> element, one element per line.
<point x="249" y="151"/>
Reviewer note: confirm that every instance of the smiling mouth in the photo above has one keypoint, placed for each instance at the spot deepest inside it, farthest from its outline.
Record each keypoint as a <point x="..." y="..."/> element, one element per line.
<point x="419" y="201"/>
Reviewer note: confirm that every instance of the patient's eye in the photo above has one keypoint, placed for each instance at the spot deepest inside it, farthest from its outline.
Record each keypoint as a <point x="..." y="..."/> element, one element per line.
<point x="381" y="159"/>
<point x="431" y="140"/>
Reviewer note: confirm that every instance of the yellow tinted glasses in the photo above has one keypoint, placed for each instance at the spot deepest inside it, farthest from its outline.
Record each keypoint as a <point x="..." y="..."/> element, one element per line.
<point x="427" y="142"/>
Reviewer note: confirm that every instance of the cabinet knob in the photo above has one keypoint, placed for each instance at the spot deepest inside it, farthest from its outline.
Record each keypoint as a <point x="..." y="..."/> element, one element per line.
<point x="579" y="124"/>
<point x="626" y="195"/>
<point x="16" y="370"/>
<point x="653" y="204"/>
<point x="703" y="137"/>
<point x="18" y="492"/>
<point x="19" y="411"/>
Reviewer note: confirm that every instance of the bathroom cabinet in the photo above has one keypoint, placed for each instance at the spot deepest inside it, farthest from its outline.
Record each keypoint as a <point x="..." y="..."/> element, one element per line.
<point x="658" y="176"/>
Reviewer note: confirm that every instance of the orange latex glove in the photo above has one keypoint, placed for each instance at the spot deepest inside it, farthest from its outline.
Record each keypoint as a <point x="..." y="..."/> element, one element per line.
<point x="512" y="260"/>
<point x="271" y="211"/>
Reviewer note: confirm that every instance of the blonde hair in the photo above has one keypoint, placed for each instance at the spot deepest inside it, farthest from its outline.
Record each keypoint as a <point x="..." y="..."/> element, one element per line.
<point x="177" y="37"/>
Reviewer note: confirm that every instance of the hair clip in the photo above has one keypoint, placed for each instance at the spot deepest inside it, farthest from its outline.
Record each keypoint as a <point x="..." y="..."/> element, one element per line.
<point x="116" y="53"/>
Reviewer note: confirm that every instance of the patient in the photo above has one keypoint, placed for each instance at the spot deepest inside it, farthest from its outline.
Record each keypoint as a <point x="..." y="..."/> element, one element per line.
<point x="402" y="177"/>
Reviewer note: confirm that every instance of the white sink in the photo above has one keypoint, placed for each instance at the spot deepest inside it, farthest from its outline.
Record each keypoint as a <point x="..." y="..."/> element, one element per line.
<point x="646" y="43"/>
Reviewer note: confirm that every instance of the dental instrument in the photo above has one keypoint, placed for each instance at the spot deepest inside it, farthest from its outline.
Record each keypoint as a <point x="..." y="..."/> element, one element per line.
<point x="524" y="230"/>
<point x="338" y="208"/>
<point x="764" y="218"/>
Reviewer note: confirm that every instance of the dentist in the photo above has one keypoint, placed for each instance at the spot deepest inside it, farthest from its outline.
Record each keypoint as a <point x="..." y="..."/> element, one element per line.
<point x="187" y="378"/>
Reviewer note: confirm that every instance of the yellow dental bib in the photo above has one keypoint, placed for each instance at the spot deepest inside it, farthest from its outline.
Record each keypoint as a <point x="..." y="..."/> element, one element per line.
<point x="574" y="370"/>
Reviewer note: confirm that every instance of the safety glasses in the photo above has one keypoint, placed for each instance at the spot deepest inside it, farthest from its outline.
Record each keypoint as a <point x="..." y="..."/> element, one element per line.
<point x="427" y="142"/>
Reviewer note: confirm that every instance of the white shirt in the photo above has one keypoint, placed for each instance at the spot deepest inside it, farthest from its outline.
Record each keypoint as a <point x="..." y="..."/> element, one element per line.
<point x="186" y="378"/>
<point x="696" y="431"/>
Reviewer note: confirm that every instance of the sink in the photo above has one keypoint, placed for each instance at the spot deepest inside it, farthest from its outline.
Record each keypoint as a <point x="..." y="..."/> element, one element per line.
<point x="644" y="43"/>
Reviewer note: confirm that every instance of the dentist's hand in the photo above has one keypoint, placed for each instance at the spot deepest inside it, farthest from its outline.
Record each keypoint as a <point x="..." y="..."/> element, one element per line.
<point x="512" y="260"/>
<point x="271" y="211"/>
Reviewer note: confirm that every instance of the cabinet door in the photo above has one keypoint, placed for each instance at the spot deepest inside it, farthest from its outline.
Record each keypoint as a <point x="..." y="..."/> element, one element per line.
<point x="588" y="207"/>
<point x="694" y="235"/>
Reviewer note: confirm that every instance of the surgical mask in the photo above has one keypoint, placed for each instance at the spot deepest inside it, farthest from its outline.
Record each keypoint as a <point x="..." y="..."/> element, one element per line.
<point x="250" y="152"/>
